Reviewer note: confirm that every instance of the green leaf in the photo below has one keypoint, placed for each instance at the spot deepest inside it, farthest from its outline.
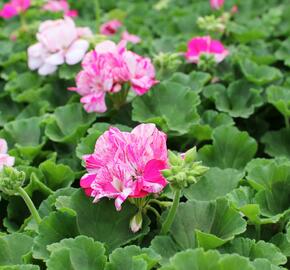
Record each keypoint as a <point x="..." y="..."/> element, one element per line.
<point x="231" y="148"/>
<point x="277" y="143"/>
<point x="13" y="247"/>
<point x="259" y="74"/>
<point x="79" y="253"/>
<point x="68" y="124"/>
<point x="214" y="184"/>
<point x="131" y="258"/>
<point x="195" y="80"/>
<point x="283" y="52"/>
<point x="282" y="242"/>
<point x="172" y="106"/>
<point x="165" y="247"/>
<point x="20" y="267"/>
<point x="253" y="250"/>
<point x="103" y="222"/>
<point x="280" y="97"/>
<point x="56" y="175"/>
<point x="240" y="99"/>
<point x="27" y="134"/>
<point x="53" y="228"/>
<point x="211" y="223"/>
<point x="210" y="120"/>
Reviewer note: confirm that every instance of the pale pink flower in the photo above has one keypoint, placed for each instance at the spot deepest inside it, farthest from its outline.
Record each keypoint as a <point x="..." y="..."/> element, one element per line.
<point x="205" y="45"/>
<point x="106" y="69"/>
<point x="126" y="165"/>
<point x="216" y="4"/>
<point x="126" y="36"/>
<point x="5" y="159"/>
<point x="59" y="42"/>
<point x="13" y="8"/>
<point x="60" y="6"/>
<point x="110" y="28"/>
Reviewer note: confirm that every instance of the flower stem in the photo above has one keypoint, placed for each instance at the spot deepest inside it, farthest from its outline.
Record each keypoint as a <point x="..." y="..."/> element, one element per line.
<point x="160" y="203"/>
<point x="29" y="204"/>
<point x="172" y="212"/>
<point x="287" y="122"/>
<point x="98" y="15"/>
<point x="152" y="209"/>
<point x="44" y="188"/>
<point x="258" y="232"/>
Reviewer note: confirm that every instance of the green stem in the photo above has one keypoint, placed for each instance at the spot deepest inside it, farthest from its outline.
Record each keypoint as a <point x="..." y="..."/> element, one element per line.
<point x="258" y="231"/>
<point x="286" y="119"/>
<point x="172" y="212"/>
<point x="148" y="207"/>
<point x="29" y="204"/>
<point x="44" y="188"/>
<point x="98" y="14"/>
<point x="160" y="203"/>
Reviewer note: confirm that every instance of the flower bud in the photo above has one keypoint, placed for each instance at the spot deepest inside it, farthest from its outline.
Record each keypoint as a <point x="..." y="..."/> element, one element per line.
<point x="10" y="180"/>
<point x="136" y="222"/>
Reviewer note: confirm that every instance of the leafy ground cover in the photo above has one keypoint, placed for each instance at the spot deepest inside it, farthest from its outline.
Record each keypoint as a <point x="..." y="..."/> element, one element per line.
<point x="181" y="120"/>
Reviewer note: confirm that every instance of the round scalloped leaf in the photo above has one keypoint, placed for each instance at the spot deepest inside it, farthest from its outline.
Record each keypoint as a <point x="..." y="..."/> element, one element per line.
<point x="103" y="222"/>
<point x="283" y="52"/>
<point x="253" y="250"/>
<point x="259" y="74"/>
<point x="131" y="258"/>
<point x="280" y="97"/>
<point x="214" y="184"/>
<point x="78" y="253"/>
<point x="277" y="143"/>
<point x="20" y="267"/>
<point x="53" y="228"/>
<point x="231" y="148"/>
<point x="211" y="223"/>
<point x="240" y="99"/>
<point x="27" y="136"/>
<point x="172" y="106"/>
<point x="68" y="123"/>
<point x="13" y="247"/>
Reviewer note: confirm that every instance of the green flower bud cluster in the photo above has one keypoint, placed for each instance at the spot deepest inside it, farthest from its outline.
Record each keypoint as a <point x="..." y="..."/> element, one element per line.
<point x="184" y="169"/>
<point x="167" y="61"/>
<point x="213" y="24"/>
<point x="206" y="62"/>
<point x="10" y="180"/>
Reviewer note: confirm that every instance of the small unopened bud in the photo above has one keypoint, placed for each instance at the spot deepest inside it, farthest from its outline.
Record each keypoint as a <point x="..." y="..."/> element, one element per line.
<point x="190" y="155"/>
<point x="174" y="160"/>
<point x="10" y="180"/>
<point x="136" y="222"/>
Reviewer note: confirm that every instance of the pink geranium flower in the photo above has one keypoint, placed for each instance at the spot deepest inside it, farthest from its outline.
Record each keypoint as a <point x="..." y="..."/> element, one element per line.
<point x="106" y="69"/>
<point x="126" y="36"/>
<point x="13" y="8"/>
<point x="126" y="165"/>
<point x="110" y="28"/>
<point x="60" y="6"/>
<point x="5" y="159"/>
<point x="59" y="42"/>
<point x="216" y="4"/>
<point x="205" y="45"/>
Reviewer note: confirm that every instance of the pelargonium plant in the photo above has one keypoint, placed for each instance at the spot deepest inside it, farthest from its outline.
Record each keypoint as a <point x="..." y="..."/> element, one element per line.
<point x="59" y="42"/>
<point x="14" y="8"/>
<point x="106" y="69"/>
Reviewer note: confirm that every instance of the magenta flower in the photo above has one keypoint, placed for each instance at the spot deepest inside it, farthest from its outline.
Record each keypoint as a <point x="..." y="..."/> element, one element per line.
<point x="106" y="69"/>
<point x="14" y="8"/>
<point x="205" y="45"/>
<point x="216" y="4"/>
<point x="110" y="28"/>
<point x="126" y="36"/>
<point x="126" y="165"/>
<point x="59" y="42"/>
<point x="5" y="159"/>
<point x="60" y="6"/>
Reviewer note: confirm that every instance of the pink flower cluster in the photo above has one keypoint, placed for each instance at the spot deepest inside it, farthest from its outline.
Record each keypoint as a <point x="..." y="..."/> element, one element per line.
<point x="110" y="28"/>
<point x="13" y="8"/>
<point x="5" y="159"/>
<point x="216" y="4"/>
<point x="205" y="45"/>
<point x="106" y="69"/>
<point x="59" y="42"/>
<point x="60" y="6"/>
<point x="126" y="165"/>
